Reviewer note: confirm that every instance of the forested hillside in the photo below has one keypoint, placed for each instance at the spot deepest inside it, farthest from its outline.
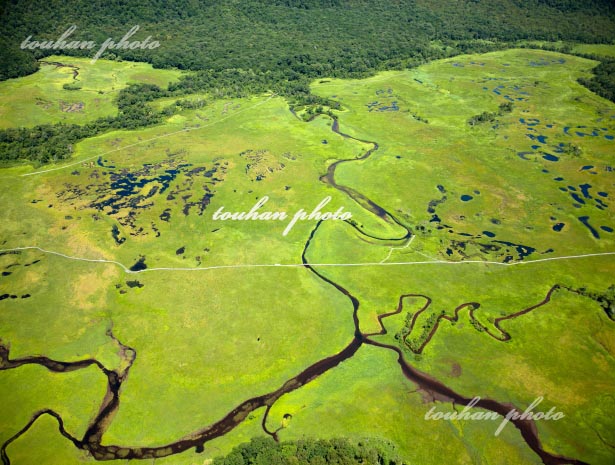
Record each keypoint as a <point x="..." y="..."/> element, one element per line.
<point x="242" y="47"/>
<point x="310" y="37"/>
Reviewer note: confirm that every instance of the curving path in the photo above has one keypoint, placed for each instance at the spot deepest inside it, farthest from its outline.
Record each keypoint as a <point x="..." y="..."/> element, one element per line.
<point x="91" y="440"/>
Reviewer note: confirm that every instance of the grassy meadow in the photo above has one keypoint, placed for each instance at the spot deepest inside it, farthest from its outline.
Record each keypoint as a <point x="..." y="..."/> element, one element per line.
<point x="527" y="183"/>
<point x="42" y="99"/>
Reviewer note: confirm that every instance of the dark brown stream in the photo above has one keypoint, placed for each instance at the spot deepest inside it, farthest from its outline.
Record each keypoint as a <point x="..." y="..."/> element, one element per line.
<point x="436" y="389"/>
<point x="62" y="65"/>
<point x="92" y="438"/>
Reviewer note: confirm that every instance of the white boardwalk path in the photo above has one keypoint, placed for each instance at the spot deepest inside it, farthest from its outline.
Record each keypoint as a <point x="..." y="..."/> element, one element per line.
<point x="383" y="262"/>
<point x="397" y="248"/>
<point x="298" y="265"/>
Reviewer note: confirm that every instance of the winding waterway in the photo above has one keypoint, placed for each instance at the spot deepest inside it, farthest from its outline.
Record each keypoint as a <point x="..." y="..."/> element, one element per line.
<point x="91" y="440"/>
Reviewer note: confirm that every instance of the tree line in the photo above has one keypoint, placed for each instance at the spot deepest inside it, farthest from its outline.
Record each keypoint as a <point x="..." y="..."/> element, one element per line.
<point x="265" y="451"/>
<point x="53" y="142"/>
<point x="603" y="81"/>
<point x="244" y="48"/>
<point x="338" y="38"/>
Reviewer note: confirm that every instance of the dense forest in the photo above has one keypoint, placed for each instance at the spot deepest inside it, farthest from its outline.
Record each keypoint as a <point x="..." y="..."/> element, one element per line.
<point x="310" y="37"/>
<point x="311" y="452"/>
<point x="603" y="82"/>
<point x="242" y="47"/>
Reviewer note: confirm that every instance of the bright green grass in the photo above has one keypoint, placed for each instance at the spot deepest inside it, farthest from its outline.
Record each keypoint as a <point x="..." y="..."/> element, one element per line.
<point x="561" y="351"/>
<point x="205" y="340"/>
<point x="447" y="151"/>
<point x="44" y="444"/>
<point x="24" y="391"/>
<point x="238" y="336"/>
<point x="41" y="99"/>
<point x="208" y="339"/>
<point x="368" y="396"/>
<point x="526" y="201"/>
<point x="598" y="49"/>
<point x="254" y="124"/>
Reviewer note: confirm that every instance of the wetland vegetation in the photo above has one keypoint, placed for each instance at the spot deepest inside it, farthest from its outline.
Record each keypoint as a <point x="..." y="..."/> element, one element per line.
<point x="479" y="259"/>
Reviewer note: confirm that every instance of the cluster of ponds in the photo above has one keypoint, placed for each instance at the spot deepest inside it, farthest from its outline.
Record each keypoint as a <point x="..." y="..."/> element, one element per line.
<point x="504" y="249"/>
<point x="389" y="105"/>
<point x="124" y="193"/>
<point x="578" y="193"/>
<point x="512" y="93"/>
<point x="6" y="273"/>
<point x="540" y="147"/>
<point x="545" y="62"/>
<point x="457" y="64"/>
